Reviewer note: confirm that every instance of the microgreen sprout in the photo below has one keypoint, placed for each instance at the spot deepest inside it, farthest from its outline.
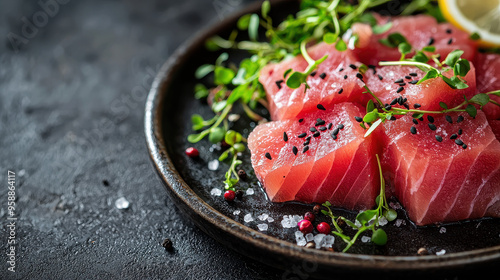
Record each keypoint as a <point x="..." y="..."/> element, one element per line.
<point x="365" y="220"/>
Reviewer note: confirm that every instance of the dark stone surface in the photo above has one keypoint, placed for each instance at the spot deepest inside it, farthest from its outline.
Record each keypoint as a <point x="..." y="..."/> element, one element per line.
<point x="73" y="84"/>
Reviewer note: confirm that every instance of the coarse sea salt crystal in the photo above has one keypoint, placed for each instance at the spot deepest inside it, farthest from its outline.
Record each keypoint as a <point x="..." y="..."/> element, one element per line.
<point x="319" y="240"/>
<point x="248" y="218"/>
<point x="216" y="192"/>
<point x="236" y="212"/>
<point x="400" y="222"/>
<point x="382" y="221"/>
<point x="270" y="220"/>
<point x="299" y="238"/>
<point x="213" y="164"/>
<point x="263" y="217"/>
<point x="250" y="191"/>
<point x="298" y="233"/>
<point x="365" y="239"/>
<point x="309" y="237"/>
<point x="262" y="227"/>
<point x="442" y="230"/>
<point x="440" y="253"/>
<point x="122" y="203"/>
<point x="329" y="240"/>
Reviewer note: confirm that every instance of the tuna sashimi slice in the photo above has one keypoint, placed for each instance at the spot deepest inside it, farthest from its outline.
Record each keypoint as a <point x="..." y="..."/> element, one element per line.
<point x="452" y="170"/>
<point x="391" y="82"/>
<point x="419" y="30"/>
<point x="488" y="79"/>
<point x="313" y="166"/>
<point x="334" y="81"/>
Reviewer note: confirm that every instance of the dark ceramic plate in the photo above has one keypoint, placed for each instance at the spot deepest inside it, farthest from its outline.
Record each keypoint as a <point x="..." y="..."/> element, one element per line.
<point x="453" y="248"/>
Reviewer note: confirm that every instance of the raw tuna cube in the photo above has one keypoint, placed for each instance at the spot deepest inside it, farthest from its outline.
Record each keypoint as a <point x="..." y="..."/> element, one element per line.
<point x="334" y="82"/>
<point x="312" y="166"/>
<point x="488" y="79"/>
<point x="445" y="173"/>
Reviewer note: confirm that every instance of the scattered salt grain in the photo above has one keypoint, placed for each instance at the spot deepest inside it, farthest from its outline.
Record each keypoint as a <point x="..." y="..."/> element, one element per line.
<point x="290" y="221"/>
<point x="440" y="253"/>
<point x="122" y="203"/>
<point x="262" y="227"/>
<point x="250" y="191"/>
<point x="248" y="218"/>
<point x="299" y="237"/>
<point x="442" y="230"/>
<point x="329" y="240"/>
<point x="309" y="237"/>
<point x="382" y="221"/>
<point x="365" y="239"/>
<point x="216" y="192"/>
<point x="236" y="212"/>
<point x="270" y="220"/>
<point x="395" y="205"/>
<point x="319" y="239"/>
<point x="213" y="164"/>
<point x="400" y="222"/>
<point x="263" y="217"/>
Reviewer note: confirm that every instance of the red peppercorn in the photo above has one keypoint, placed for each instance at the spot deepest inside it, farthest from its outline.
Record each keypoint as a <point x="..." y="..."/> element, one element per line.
<point x="305" y="226"/>
<point x="309" y="216"/>
<point x="323" y="228"/>
<point x="229" y="195"/>
<point x="192" y="152"/>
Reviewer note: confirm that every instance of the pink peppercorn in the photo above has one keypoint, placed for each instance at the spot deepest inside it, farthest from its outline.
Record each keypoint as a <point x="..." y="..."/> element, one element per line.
<point x="305" y="226"/>
<point x="192" y="152"/>
<point x="323" y="228"/>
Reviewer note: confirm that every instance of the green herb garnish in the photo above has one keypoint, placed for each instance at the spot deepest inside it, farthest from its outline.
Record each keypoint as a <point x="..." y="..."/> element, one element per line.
<point x="365" y="220"/>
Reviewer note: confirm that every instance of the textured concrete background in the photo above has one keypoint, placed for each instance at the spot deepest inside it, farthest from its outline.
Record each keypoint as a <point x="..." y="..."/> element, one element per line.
<point x="73" y="82"/>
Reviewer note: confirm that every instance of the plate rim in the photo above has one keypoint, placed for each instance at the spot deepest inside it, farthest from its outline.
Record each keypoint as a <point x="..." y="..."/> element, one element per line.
<point x="176" y="186"/>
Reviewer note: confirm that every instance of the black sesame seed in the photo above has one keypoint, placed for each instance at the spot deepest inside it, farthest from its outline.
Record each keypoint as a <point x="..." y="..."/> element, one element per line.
<point x="450" y="41"/>
<point x="322" y="75"/>
<point x="341" y="126"/>
<point x="306" y="148"/>
<point x="401" y="100"/>
<point x="398" y="81"/>
<point x="295" y="150"/>
<point x="301" y="120"/>
<point x="416" y="105"/>
<point x="388" y="107"/>
<point x="319" y="106"/>
<point x="358" y="119"/>
<point x="406" y="106"/>
<point x="464" y="146"/>
<point x="453" y="136"/>
<point x="341" y="90"/>
<point x="449" y="30"/>
<point x="431" y="41"/>
<point x="345" y="77"/>
<point x="439" y="138"/>
<point x="393" y="118"/>
<point x="285" y="137"/>
<point x="380" y="77"/>
<point x="334" y="136"/>
<point x="459" y="142"/>
<point x="432" y="126"/>
<point x="448" y="119"/>
<point x="460" y="131"/>
<point x="330" y="125"/>
<point x="400" y="89"/>
<point x="460" y="119"/>
<point x="415" y="121"/>
<point x="421" y="119"/>
<point x="313" y="73"/>
<point x="359" y="76"/>
<point x="413" y="74"/>
<point x="402" y="84"/>
<point x="413" y="130"/>
<point x="268" y="156"/>
<point x="323" y="128"/>
<point x="394" y="101"/>
<point x="278" y="83"/>
<point x="413" y="82"/>
<point x="307" y="142"/>
<point x="353" y="66"/>
<point x="341" y="69"/>
<point x="316" y="134"/>
<point x="336" y="131"/>
<point x="312" y="129"/>
<point x="302" y="135"/>
<point x="430" y="119"/>
<point x="408" y="77"/>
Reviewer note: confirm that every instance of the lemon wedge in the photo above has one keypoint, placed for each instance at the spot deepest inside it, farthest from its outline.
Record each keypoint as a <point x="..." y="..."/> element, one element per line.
<point x="475" y="16"/>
